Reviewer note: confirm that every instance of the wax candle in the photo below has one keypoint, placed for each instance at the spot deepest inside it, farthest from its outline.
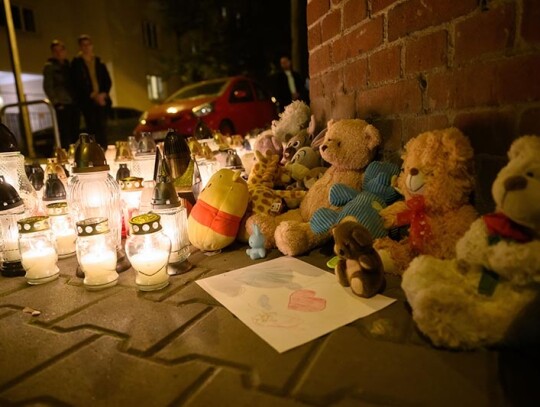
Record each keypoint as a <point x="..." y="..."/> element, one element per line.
<point x="151" y="268"/>
<point x="11" y="251"/>
<point x="65" y="243"/>
<point x="40" y="265"/>
<point x="99" y="269"/>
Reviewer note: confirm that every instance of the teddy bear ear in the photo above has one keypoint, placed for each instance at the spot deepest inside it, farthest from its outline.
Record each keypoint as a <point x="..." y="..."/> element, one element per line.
<point x="373" y="137"/>
<point x="524" y="145"/>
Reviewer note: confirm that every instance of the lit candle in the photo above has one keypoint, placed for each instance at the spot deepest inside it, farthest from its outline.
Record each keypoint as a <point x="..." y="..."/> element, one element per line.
<point x="148" y="250"/>
<point x="62" y="228"/>
<point x="151" y="267"/>
<point x="96" y="253"/>
<point x="38" y="253"/>
<point x="65" y="243"/>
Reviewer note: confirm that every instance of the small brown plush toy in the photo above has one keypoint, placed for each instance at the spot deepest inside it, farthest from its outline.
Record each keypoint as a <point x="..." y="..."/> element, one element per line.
<point x="359" y="265"/>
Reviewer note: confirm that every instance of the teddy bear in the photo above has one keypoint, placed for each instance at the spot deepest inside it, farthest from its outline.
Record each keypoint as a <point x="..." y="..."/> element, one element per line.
<point x="436" y="181"/>
<point x="292" y="120"/>
<point x="349" y="146"/>
<point x="490" y="293"/>
<point x="359" y="265"/>
<point x="364" y="206"/>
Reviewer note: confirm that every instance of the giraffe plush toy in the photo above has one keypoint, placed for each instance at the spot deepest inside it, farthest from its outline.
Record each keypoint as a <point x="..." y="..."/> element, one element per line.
<point x="263" y="199"/>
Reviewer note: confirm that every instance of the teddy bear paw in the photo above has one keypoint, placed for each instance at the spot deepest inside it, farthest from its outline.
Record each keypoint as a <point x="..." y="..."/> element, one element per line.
<point x="291" y="238"/>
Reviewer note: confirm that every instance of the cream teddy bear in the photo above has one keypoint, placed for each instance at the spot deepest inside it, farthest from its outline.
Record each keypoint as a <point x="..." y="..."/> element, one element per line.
<point x="490" y="293"/>
<point x="436" y="181"/>
<point x="349" y="146"/>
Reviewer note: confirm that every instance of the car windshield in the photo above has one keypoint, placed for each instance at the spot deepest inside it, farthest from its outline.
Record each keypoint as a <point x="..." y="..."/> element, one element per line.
<point x="209" y="88"/>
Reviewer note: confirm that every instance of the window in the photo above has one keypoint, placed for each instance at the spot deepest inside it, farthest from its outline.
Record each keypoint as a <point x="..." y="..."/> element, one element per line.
<point x="155" y="87"/>
<point x="23" y="18"/>
<point x="149" y="31"/>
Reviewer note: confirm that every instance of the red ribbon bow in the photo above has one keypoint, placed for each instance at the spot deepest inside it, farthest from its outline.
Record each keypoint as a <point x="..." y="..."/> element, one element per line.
<point x="500" y="225"/>
<point x="416" y="217"/>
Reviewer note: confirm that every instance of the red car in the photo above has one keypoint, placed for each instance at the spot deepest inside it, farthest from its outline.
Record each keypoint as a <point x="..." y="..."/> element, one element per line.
<point x="232" y="105"/>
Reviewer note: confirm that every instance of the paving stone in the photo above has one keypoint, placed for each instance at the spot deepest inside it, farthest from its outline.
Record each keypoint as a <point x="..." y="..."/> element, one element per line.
<point x="8" y="285"/>
<point x="25" y="346"/>
<point x="388" y="373"/>
<point x="220" y="335"/>
<point x="56" y="298"/>
<point x="176" y="283"/>
<point x="146" y="323"/>
<point x="217" y="391"/>
<point x="193" y="293"/>
<point x="99" y="375"/>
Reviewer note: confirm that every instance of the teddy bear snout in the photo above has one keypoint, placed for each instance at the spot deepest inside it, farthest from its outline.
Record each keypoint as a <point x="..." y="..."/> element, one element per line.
<point x="515" y="183"/>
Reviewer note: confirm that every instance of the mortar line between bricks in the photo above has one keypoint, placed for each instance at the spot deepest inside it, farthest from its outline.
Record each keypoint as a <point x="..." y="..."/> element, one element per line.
<point x="48" y="362"/>
<point x="50" y="401"/>
<point x="192" y="390"/>
<point x="14" y="290"/>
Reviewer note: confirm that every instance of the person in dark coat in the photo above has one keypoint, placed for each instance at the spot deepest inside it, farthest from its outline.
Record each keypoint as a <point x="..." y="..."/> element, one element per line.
<point x="288" y="85"/>
<point x="92" y="86"/>
<point x="58" y="86"/>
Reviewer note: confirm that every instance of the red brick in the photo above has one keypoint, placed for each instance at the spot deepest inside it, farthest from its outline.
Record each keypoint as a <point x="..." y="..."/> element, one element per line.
<point x="316" y="9"/>
<point x="490" y="131"/>
<point x="343" y="106"/>
<point x="331" y="24"/>
<point x="336" y="2"/>
<point x="319" y="60"/>
<point x="365" y="37"/>
<point x="529" y="122"/>
<point x="378" y="5"/>
<point x="415" y="15"/>
<point x="339" y="50"/>
<point x="485" y="32"/>
<point x="518" y="79"/>
<point x="426" y="52"/>
<point x="354" y="11"/>
<point x="332" y="83"/>
<point x="385" y="65"/>
<point x="390" y="130"/>
<point x="355" y="75"/>
<point x="473" y="86"/>
<point x="315" y="87"/>
<point x="394" y="98"/>
<point x="314" y="37"/>
<point x="413" y="126"/>
<point x="530" y="23"/>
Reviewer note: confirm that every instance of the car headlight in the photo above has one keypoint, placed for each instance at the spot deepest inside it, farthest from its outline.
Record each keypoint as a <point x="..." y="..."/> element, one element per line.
<point x="143" y="118"/>
<point x="203" y="110"/>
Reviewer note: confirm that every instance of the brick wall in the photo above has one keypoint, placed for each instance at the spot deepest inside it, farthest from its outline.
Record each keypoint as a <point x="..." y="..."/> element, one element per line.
<point x="414" y="65"/>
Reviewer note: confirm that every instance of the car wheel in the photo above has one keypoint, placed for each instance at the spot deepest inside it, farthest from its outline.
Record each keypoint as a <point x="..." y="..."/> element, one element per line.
<point x="226" y="128"/>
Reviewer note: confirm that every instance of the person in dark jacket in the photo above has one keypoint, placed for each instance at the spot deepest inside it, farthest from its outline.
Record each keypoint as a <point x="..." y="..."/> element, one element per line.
<point x="92" y="86"/>
<point x="58" y="86"/>
<point x="288" y="85"/>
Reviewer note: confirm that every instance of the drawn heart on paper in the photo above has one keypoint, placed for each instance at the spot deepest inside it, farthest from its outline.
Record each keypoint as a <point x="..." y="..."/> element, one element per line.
<point x="306" y="301"/>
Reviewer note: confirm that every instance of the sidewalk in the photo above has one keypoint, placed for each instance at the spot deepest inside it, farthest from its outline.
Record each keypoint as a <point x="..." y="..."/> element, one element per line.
<point x="178" y="346"/>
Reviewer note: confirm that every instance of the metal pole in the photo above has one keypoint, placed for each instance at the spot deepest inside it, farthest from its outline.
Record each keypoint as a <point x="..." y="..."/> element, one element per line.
<point x="16" y="65"/>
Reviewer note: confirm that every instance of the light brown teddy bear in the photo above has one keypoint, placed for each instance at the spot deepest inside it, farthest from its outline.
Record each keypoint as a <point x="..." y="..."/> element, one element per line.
<point x="349" y="146"/>
<point x="436" y="181"/>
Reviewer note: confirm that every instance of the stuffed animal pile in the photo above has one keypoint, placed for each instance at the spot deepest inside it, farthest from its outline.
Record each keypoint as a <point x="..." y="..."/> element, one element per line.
<point x="349" y="146"/>
<point x="437" y="180"/>
<point x="490" y="294"/>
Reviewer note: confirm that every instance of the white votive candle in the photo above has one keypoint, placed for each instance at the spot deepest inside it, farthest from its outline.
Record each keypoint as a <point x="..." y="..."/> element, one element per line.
<point x="151" y="268"/>
<point x="99" y="268"/>
<point x="11" y="251"/>
<point x="65" y="243"/>
<point x="40" y="265"/>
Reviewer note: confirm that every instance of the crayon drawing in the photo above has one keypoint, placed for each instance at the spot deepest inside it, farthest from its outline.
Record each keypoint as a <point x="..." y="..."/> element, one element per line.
<point x="288" y="302"/>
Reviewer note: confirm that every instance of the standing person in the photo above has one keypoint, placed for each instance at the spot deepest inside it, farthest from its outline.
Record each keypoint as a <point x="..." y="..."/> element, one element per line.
<point x="92" y="85"/>
<point x="58" y="86"/>
<point x="288" y="85"/>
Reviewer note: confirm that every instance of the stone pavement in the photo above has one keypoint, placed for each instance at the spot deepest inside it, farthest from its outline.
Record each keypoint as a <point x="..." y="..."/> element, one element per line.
<point x="180" y="347"/>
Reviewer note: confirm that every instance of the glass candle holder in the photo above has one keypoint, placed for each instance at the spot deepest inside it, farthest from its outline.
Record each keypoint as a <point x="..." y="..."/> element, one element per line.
<point x="131" y="189"/>
<point x="63" y="229"/>
<point x="38" y="251"/>
<point x="96" y="253"/>
<point x="148" y="250"/>
<point x="12" y="209"/>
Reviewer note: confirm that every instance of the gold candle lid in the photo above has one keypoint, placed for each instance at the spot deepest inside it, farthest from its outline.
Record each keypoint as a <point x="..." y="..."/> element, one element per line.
<point x="131" y="183"/>
<point x="145" y="224"/>
<point x="92" y="226"/>
<point x="33" y="224"/>
<point x="57" y="208"/>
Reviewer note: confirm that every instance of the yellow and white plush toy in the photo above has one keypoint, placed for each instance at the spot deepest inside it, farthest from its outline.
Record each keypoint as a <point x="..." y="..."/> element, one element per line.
<point x="215" y="218"/>
<point x="490" y="294"/>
